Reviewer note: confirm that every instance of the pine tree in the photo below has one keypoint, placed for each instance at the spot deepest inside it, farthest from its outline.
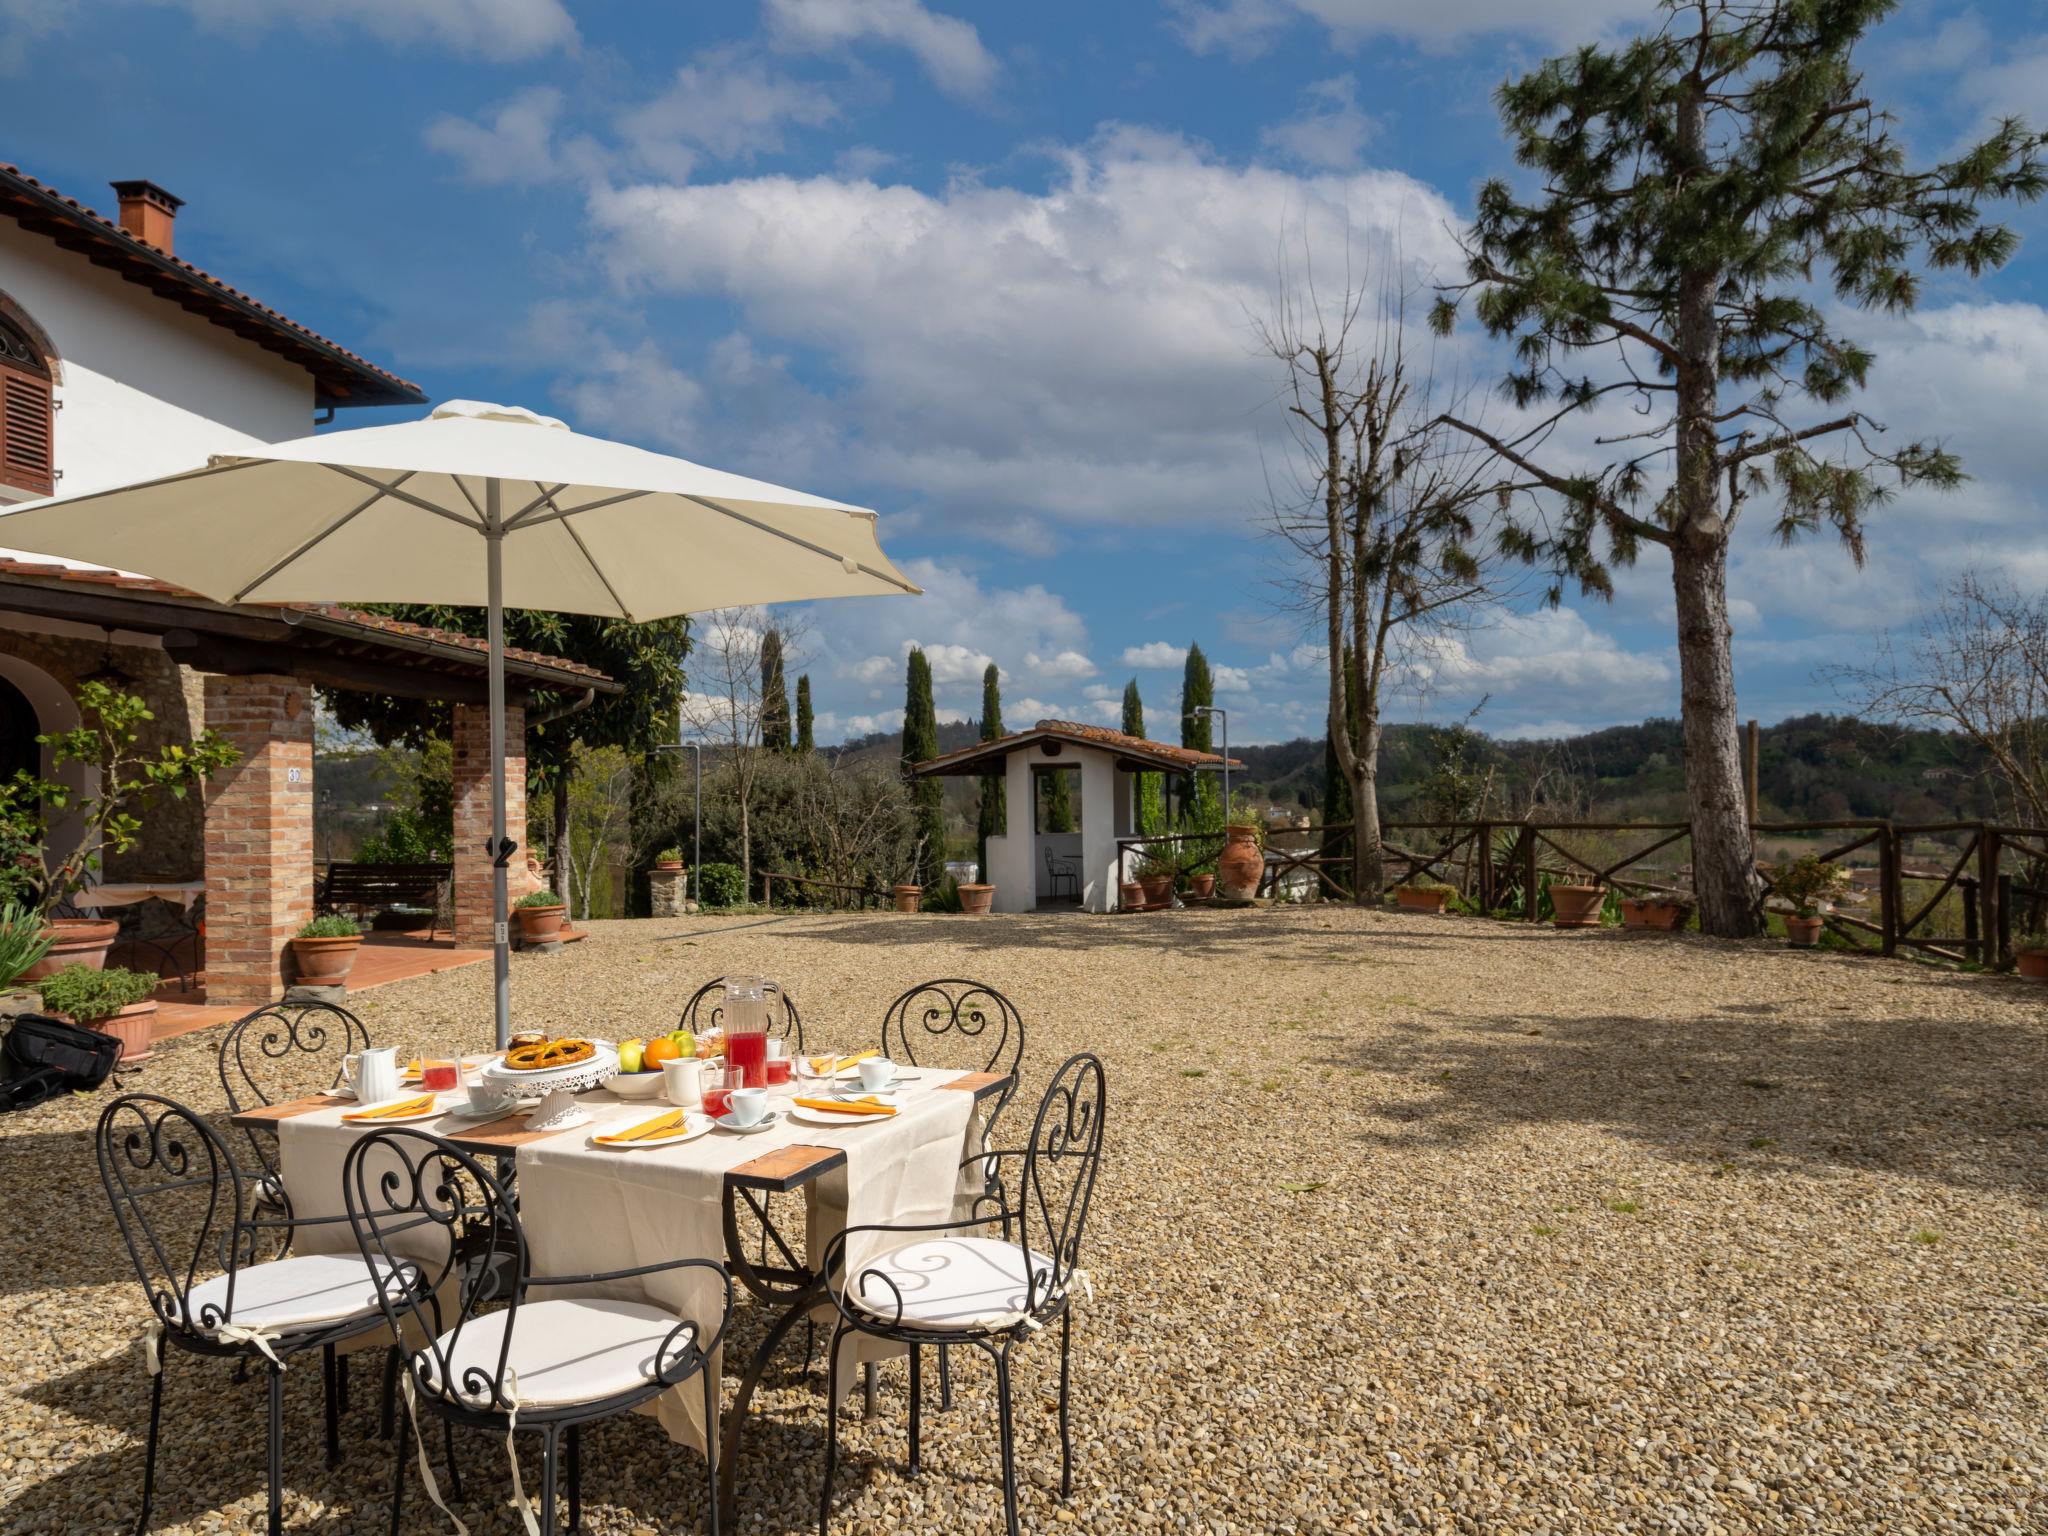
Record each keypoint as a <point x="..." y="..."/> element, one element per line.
<point x="1151" y="810"/>
<point x="992" y="813"/>
<point x="1686" y="190"/>
<point x="774" y="695"/>
<point x="927" y="795"/>
<point x="805" y="744"/>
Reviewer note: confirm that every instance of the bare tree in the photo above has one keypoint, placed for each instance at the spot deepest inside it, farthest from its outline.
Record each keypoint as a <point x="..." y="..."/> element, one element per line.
<point x="725" y="700"/>
<point x="600" y="821"/>
<point x="1390" y="515"/>
<point x="1976" y="664"/>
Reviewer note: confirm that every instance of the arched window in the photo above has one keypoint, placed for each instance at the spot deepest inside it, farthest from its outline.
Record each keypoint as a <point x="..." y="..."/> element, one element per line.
<point x="26" y="416"/>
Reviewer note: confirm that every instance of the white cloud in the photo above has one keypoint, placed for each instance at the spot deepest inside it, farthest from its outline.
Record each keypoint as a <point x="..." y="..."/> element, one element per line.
<point x="1155" y="653"/>
<point x="1065" y="664"/>
<point x="1077" y="354"/>
<point x="498" y="30"/>
<point x="1546" y="661"/>
<point x="948" y="49"/>
<point x="1231" y="679"/>
<point x="1250" y="26"/>
<point x="1329" y="132"/>
<point x="726" y="104"/>
<point x="515" y="142"/>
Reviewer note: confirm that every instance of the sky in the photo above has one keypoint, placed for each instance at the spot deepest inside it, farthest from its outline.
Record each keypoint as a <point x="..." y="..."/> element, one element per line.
<point x="998" y="272"/>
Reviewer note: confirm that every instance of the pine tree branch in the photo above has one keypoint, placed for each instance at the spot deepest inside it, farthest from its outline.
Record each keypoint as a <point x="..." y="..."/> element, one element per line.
<point x="1609" y="508"/>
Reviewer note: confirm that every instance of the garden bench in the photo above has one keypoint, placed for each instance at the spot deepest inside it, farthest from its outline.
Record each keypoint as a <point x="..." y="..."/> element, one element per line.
<point x="361" y="888"/>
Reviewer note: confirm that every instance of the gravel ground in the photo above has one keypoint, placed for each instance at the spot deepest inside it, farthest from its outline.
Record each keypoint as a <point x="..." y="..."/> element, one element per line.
<point x="1408" y="1224"/>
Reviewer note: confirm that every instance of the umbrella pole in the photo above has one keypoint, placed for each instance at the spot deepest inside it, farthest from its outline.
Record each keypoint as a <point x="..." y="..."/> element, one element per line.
<point x="500" y="850"/>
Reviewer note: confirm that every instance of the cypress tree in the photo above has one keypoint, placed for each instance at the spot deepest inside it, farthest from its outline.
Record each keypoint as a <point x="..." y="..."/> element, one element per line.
<point x="774" y="695"/>
<point x="1690" y="195"/>
<point x="992" y="813"/>
<point x="1197" y="686"/>
<point x="927" y="795"/>
<point x="804" y="742"/>
<point x="1059" y="800"/>
<point x="1151" y="810"/>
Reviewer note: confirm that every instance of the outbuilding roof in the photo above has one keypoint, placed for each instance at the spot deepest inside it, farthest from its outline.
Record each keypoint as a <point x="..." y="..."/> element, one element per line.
<point x="1137" y="753"/>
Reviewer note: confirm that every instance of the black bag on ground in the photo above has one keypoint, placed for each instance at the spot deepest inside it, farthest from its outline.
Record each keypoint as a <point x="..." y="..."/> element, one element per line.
<point x="43" y="1057"/>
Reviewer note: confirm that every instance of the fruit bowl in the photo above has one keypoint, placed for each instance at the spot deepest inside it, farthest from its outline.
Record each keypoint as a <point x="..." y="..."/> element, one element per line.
<point x="636" y="1085"/>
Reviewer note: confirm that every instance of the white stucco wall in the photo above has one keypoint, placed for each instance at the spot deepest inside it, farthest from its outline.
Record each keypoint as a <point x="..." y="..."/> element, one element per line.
<point x="144" y="388"/>
<point x="1099" y="780"/>
<point x="1013" y="857"/>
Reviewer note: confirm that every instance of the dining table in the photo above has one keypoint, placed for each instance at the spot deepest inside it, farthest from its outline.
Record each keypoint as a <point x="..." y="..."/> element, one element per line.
<point x="588" y="1207"/>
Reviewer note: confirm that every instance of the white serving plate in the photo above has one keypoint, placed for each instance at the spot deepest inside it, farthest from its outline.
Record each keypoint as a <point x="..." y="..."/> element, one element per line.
<point x="693" y="1126"/>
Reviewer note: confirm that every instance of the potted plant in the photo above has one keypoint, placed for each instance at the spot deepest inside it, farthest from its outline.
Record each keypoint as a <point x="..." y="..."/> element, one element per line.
<point x="908" y="897"/>
<point x="540" y="917"/>
<point x="114" y="1001"/>
<point x="976" y="898"/>
<point x="1807" y="882"/>
<point x="24" y="944"/>
<point x="1202" y="887"/>
<point x="1155" y="878"/>
<point x="1130" y="895"/>
<point x="2030" y="954"/>
<point x="1419" y="893"/>
<point x="1242" y="864"/>
<point x="128" y="780"/>
<point x="1665" y="911"/>
<point x="1576" y="905"/>
<point x="669" y="858"/>
<point x="325" y="948"/>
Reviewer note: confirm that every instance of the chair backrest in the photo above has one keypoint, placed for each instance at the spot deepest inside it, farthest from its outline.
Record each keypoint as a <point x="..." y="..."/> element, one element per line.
<point x="178" y="1199"/>
<point x="1060" y="1163"/>
<point x="706" y="1010"/>
<point x="957" y="1023"/>
<point x="418" y="1205"/>
<point x="285" y="1051"/>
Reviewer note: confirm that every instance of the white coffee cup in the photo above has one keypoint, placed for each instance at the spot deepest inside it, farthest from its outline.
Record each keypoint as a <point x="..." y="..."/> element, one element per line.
<point x="876" y="1072"/>
<point x="489" y="1098"/>
<point x="683" y="1081"/>
<point x="748" y="1105"/>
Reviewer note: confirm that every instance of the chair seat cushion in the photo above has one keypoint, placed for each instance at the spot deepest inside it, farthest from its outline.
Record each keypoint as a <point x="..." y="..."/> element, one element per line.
<point x="562" y="1351"/>
<point x="949" y="1283"/>
<point x="303" y="1291"/>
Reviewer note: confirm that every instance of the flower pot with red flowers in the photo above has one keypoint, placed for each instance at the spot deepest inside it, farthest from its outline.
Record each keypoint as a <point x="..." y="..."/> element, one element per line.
<point x="324" y="950"/>
<point x="2030" y="955"/>
<point x="1423" y="895"/>
<point x="975" y="900"/>
<point x="908" y="898"/>
<point x="1576" y="906"/>
<point x="1809" y="883"/>
<point x="540" y="917"/>
<point x="113" y="1001"/>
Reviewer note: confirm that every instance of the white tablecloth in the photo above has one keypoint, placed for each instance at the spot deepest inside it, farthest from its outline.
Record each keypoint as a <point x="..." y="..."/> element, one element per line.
<point x="179" y="893"/>
<point x="587" y="1209"/>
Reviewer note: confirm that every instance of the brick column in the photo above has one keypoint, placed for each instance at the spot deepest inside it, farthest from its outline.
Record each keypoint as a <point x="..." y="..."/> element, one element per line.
<point x="259" y="834"/>
<point x="472" y="744"/>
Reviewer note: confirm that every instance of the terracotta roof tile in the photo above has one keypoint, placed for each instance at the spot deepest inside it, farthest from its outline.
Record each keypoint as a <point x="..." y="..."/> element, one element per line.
<point x="1162" y="753"/>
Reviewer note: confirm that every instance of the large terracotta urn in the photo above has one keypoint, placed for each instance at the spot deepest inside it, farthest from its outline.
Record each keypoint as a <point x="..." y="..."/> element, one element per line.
<point x="1576" y="906"/>
<point x="75" y="941"/>
<point x="975" y="900"/>
<point x="1240" y="866"/>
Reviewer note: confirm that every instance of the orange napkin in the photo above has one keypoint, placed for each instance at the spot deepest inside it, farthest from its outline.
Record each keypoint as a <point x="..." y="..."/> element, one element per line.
<point x="658" y="1126"/>
<point x="869" y="1106"/>
<point x="823" y="1066"/>
<point x="388" y="1111"/>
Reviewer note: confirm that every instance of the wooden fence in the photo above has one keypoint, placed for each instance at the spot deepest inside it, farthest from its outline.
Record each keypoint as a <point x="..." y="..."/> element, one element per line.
<point x="835" y="895"/>
<point x="1499" y="866"/>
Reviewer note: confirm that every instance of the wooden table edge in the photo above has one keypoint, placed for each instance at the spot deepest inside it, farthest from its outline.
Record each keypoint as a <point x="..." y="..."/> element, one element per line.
<point x="786" y="1168"/>
<point x="269" y="1114"/>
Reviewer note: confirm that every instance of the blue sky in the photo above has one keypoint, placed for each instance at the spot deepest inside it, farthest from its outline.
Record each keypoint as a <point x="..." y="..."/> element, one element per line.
<point x="993" y="270"/>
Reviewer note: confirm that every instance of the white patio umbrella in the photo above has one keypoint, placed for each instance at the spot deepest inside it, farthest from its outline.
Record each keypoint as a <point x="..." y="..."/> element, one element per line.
<point x="475" y="505"/>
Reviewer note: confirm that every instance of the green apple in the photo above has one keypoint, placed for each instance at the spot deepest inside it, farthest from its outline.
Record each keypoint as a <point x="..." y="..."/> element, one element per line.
<point x="629" y="1055"/>
<point x="685" y="1042"/>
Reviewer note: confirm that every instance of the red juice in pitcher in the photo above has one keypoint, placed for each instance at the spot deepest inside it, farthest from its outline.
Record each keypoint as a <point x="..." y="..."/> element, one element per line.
<point x="746" y="1060"/>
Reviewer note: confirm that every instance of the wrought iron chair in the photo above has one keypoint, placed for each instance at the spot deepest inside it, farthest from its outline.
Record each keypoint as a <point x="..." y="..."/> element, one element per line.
<point x="943" y="1282"/>
<point x="285" y="1051"/>
<point x="550" y="1366"/>
<point x="185" y="1208"/>
<point x="1062" y="870"/>
<point x="955" y="1022"/>
<point x="703" y="1012"/>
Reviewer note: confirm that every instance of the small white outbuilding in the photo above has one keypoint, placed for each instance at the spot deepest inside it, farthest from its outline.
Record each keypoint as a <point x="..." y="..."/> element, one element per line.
<point x="1031" y="866"/>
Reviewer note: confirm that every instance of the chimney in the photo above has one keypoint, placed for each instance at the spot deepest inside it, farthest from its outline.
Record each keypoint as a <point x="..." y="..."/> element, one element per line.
<point x="148" y="212"/>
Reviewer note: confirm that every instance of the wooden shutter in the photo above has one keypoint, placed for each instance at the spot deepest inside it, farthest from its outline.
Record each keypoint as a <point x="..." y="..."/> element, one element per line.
<point x="25" y="418"/>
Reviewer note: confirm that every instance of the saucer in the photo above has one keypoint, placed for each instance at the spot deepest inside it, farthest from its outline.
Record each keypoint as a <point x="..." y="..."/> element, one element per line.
<point x="767" y="1122"/>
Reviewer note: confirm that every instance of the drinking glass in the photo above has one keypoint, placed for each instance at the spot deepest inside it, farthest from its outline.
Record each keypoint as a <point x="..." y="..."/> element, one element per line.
<point x="440" y="1071"/>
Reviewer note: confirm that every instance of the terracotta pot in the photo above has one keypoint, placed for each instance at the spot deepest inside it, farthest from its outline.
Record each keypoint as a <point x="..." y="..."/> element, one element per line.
<point x="539" y="925"/>
<point x="1802" y="932"/>
<point x="131" y="1026"/>
<point x="1417" y="899"/>
<point x="1241" y="866"/>
<point x="909" y="898"/>
<point x="1576" y="906"/>
<point x="75" y="941"/>
<point x="1131" y="895"/>
<point x="668" y="863"/>
<point x="1650" y="912"/>
<point x="1201" y="887"/>
<point x="325" y="962"/>
<point x="975" y="899"/>
<point x="1158" y="889"/>
<point x="2033" y="964"/>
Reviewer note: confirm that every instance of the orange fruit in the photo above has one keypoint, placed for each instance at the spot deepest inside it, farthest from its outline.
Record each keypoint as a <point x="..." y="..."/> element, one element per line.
<point x="658" y="1051"/>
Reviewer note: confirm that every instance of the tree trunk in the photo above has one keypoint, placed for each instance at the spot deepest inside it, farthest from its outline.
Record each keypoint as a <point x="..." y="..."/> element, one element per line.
<point x="1368" y="853"/>
<point x="559" y="854"/>
<point x="1723" y="854"/>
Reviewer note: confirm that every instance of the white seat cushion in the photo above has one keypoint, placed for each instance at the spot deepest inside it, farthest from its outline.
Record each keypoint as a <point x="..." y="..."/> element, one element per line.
<point x="949" y="1282"/>
<point x="298" y="1292"/>
<point x="564" y="1351"/>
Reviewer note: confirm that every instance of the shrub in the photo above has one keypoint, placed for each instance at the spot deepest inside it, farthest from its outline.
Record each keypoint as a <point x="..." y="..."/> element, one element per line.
<point x="541" y="898"/>
<point x="22" y="941"/>
<point x="1807" y="881"/>
<point x="720" y="885"/>
<point x="1428" y="883"/>
<point x="943" y="897"/>
<point x="89" y="996"/>
<point x="669" y="856"/>
<point x="335" y="925"/>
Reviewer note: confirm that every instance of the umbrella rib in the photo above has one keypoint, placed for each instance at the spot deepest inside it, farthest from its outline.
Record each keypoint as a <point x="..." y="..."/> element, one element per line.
<point x="525" y="518"/>
<point x="405" y="496"/>
<point x="546" y="498"/>
<point x="597" y="570"/>
<point x="801" y="543"/>
<point x="334" y="527"/>
<point x="481" y="516"/>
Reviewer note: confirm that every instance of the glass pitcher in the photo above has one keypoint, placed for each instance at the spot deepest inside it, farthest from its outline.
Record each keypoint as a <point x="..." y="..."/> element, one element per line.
<point x="745" y="1016"/>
